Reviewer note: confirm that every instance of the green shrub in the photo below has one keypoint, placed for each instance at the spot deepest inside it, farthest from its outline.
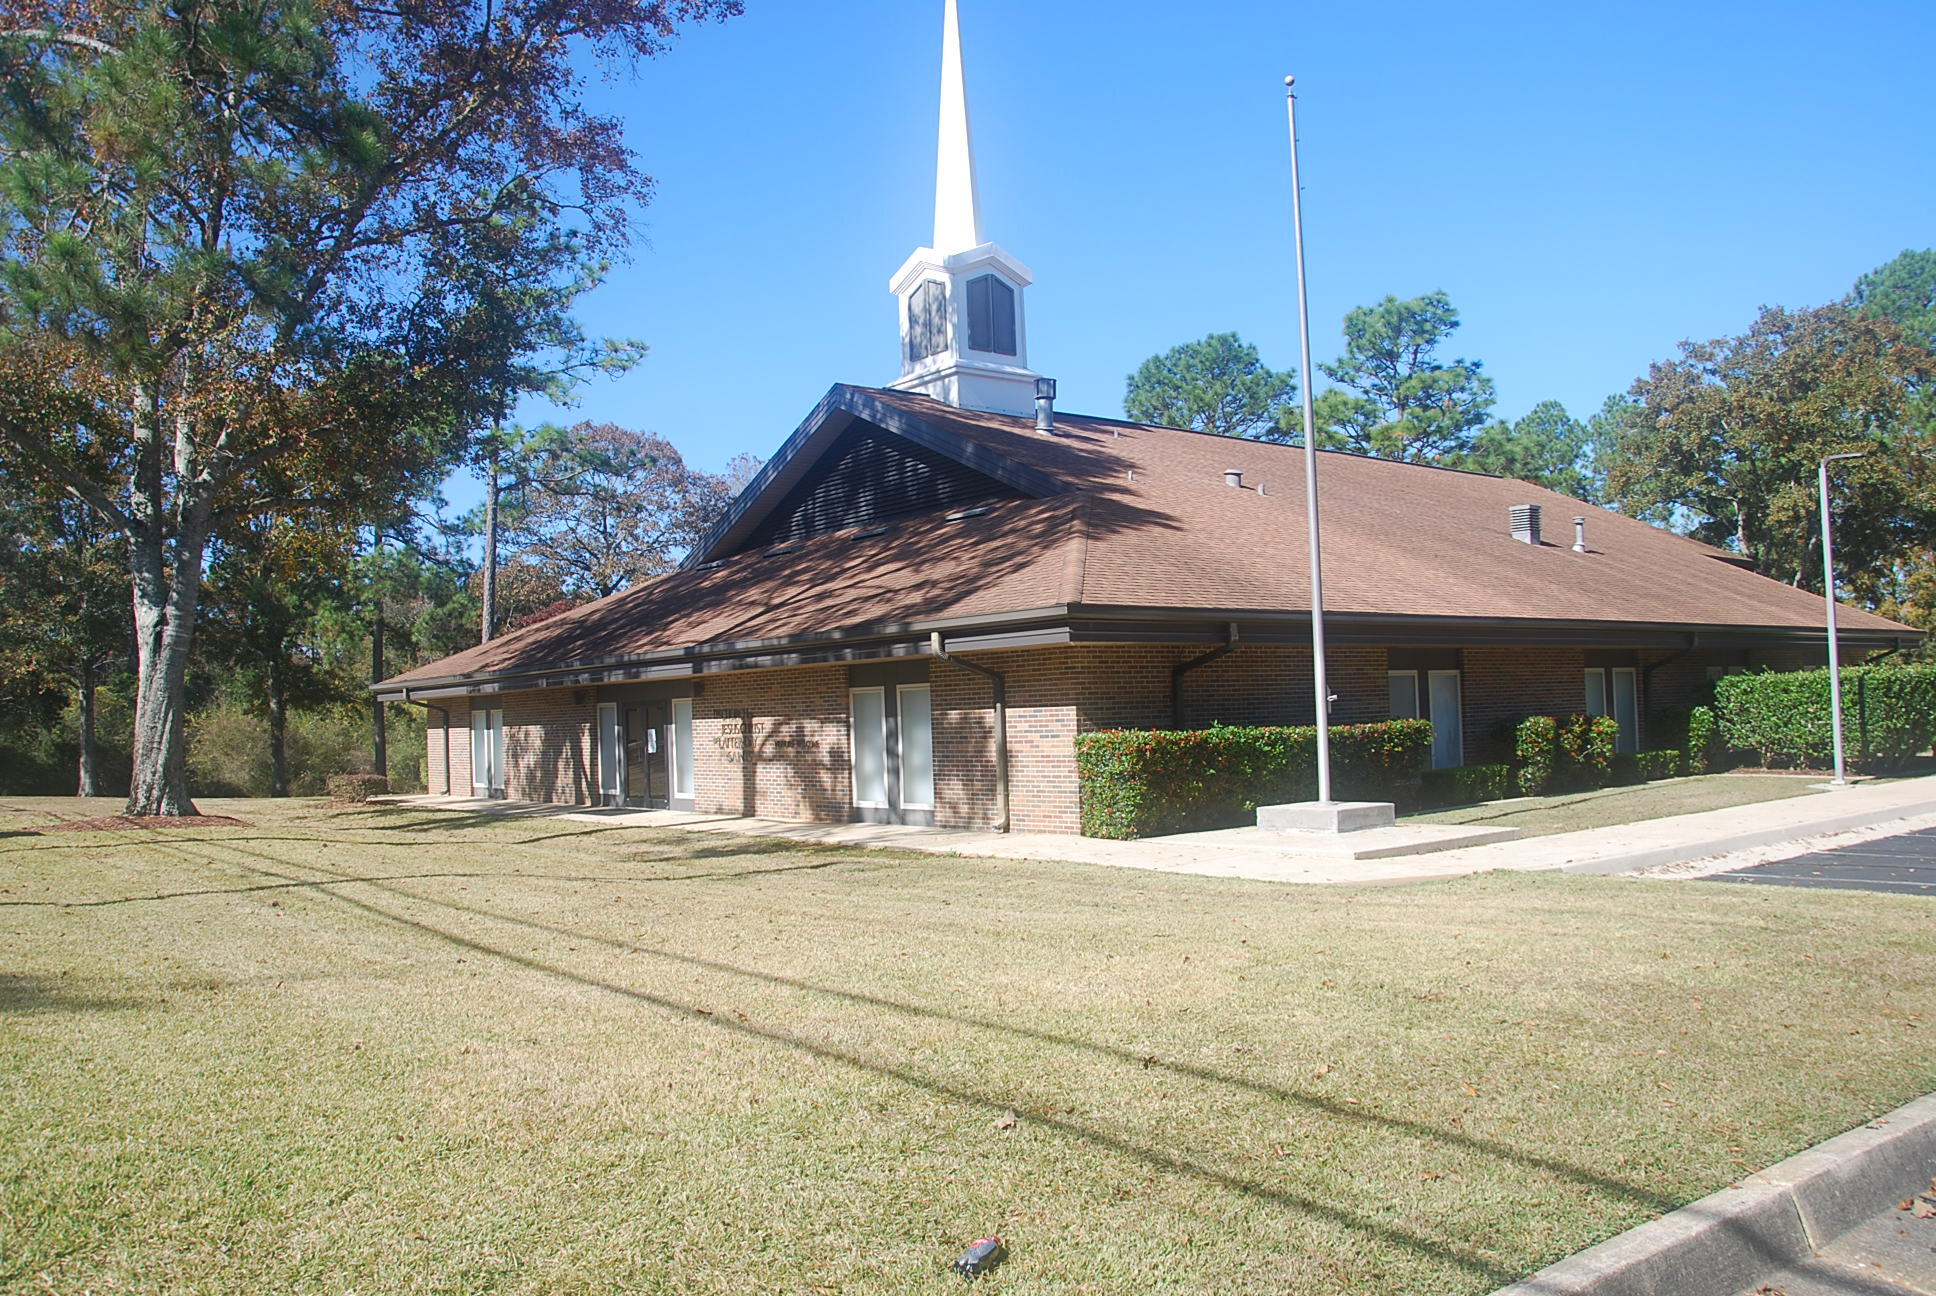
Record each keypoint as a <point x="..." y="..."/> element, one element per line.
<point x="1536" y="751"/>
<point x="228" y="749"/>
<point x="1466" y="785"/>
<point x="1645" y="767"/>
<point x="1143" y="782"/>
<point x="1692" y="731"/>
<point x="1586" y="746"/>
<point x="1562" y="753"/>
<point x="357" y="787"/>
<point x="1889" y="715"/>
<point x="1662" y="763"/>
<point x="1702" y="743"/>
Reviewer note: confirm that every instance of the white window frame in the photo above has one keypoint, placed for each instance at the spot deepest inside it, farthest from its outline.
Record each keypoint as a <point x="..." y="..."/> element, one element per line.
<point x="1596" y="680"/>
<point x="1412" y="676"/>
<point x="493" y="747"/>
<point x="1458" y="679"/>
<point x="611" y="754"/>
<point x="853" y="747"/>
<point x="1629" y="739"/>
<point x="900" y="734"/>
<point x="682" y="740"/>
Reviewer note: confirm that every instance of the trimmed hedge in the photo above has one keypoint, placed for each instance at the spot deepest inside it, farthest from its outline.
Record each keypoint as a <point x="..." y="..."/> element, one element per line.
<point x="1692" y="731"/>
<point x="1564" y="753"/>
<point x="1888" y="715"/>
<point x="1145" y="782"/>
<point x="357" y="787"/>
<point x="1645" y="767"/>
<point x="1536" y="754"/>
<point x="1466" y="785"/>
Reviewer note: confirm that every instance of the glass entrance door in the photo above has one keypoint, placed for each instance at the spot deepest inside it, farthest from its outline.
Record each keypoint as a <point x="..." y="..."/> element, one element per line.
<point x="646" y="780"/>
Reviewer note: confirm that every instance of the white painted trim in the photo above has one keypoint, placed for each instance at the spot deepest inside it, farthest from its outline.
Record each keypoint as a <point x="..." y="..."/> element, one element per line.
<point x="900" y="730"/>
<point x="1460" y="684"/>
<point x="681" y="769"/>
<point x="853" y="746"/>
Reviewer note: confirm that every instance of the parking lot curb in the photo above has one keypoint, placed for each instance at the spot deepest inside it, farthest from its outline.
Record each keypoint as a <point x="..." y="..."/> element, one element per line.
<point x="1701" y="848"/>
<point x="1729" y="1240"/>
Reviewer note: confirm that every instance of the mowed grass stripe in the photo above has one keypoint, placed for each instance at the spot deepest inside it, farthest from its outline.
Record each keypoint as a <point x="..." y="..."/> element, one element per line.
<point x="635" y="1061"/>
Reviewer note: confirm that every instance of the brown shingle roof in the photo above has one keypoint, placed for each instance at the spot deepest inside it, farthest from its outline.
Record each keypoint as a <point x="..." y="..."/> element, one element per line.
<point x="1148" y="521"/>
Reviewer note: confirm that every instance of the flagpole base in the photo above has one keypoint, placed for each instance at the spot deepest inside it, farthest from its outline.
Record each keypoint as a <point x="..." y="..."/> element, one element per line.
<point x="1327" y="816"/>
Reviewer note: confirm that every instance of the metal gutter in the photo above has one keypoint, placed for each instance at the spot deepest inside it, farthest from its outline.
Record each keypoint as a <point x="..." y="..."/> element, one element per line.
<point x="999" y="682"/>
<point x="1077" y="623"/>
<point x="1178" y="671"/>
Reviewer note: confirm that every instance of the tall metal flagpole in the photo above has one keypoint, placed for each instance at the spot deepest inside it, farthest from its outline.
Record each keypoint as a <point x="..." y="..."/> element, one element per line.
<point x="1322" y="686"/>
<point x="1841" y="778"/>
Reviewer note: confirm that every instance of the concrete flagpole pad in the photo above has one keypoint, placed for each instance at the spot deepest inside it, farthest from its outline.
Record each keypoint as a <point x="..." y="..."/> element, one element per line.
<point x="1327" y="816"/>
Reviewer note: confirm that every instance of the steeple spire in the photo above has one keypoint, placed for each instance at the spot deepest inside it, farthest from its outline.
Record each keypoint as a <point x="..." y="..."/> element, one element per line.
<point x="957" y="209"/>
<point x="964" y="337"/>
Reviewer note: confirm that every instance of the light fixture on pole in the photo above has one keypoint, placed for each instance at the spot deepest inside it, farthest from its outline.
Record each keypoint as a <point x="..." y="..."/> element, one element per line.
<point x="1320" y="684"/>
<point x="1841" y="778"/>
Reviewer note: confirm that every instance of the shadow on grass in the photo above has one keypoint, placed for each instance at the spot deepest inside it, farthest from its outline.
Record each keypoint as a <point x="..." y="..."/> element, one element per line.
<point x="320" y="884"/>
<point x="27" y="994"/>
<point x="1154" y="1156"/>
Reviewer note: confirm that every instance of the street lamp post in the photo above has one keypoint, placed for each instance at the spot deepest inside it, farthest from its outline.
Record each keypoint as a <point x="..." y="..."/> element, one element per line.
<point x="1841" y="778"/>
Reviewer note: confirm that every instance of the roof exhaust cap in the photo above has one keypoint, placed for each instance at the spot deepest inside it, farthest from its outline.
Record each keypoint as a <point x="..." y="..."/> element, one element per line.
<point x="1233" y="477"/>
<point x="1045" y="406"/>
<point x="1525" y="523"/>
<point x="1579" y="535"/>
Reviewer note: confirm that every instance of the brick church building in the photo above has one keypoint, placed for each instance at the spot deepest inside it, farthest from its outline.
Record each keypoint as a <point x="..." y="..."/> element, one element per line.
<point x="933" y="587"/>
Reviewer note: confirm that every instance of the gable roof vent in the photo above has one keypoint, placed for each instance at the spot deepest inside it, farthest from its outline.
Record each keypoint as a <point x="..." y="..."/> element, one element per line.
<point x="1233" y="476"/>
<point x="1525" y="523"/>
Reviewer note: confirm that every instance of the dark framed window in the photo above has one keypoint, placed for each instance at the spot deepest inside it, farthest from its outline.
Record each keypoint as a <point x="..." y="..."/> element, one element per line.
<point x="991" y="315"/>
<point x="928" y="321"/>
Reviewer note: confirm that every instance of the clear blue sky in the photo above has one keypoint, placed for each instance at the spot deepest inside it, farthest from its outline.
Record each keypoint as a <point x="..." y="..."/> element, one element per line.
<point x="1590" y="183"/>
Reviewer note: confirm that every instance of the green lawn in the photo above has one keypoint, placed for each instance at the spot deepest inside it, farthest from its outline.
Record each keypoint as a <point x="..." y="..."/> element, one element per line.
<point x="1573" y="811"/>
<point x="408" y="1051"/>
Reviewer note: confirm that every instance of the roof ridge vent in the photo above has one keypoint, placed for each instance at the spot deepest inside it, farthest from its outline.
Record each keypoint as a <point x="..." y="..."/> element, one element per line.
<point x="1525" y="523"/>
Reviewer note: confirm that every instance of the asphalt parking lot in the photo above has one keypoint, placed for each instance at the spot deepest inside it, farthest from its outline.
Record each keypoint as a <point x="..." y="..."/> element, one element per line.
<point x="1904" y="864"/>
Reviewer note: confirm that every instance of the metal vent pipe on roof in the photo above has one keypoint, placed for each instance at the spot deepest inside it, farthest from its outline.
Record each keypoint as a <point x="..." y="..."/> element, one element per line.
<point x="1045" y="406"/>
<point x="1233" y="476"/>
<point x="1579" y="535"/>
<point x="1525" y="523"/>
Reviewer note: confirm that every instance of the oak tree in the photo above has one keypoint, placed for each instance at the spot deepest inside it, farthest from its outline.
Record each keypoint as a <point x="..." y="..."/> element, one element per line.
<point x="1725" y="439"/>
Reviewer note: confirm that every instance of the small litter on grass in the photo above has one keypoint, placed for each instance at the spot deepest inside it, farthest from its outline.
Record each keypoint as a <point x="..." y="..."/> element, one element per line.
<point x="983" y="1256"/>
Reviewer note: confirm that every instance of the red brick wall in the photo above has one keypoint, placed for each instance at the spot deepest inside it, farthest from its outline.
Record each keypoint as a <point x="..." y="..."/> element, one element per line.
<point x="460" y="748"/>
<point x="1503" y="686"/>
<point x="773" y="743"/>
<point x="550" y="746"/>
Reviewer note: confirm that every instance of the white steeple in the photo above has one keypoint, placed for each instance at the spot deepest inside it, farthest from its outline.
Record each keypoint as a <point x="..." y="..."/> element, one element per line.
<point x="957" y="207"/>
<point x="963" y="338"/>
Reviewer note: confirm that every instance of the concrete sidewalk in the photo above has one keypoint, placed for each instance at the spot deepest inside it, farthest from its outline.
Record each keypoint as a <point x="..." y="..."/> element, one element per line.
<point x="1275" y="857"/>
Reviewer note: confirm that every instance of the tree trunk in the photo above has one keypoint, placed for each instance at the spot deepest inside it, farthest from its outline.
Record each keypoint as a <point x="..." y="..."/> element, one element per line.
<point x="166" y="595"/>
<point x="278" y="730"/>
<point x="164" y="614"/>
<point x="490" y="544"/>
<point x="89" y="784"/>
<point x="379" y="728"/>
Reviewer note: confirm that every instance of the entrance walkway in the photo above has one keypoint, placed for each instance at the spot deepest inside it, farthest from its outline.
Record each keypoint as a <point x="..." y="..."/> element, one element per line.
<point x="1278" y="857"/>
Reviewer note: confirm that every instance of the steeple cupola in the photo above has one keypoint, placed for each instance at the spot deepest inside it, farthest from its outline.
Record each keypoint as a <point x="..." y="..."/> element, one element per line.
<point x="963" y="338"/>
